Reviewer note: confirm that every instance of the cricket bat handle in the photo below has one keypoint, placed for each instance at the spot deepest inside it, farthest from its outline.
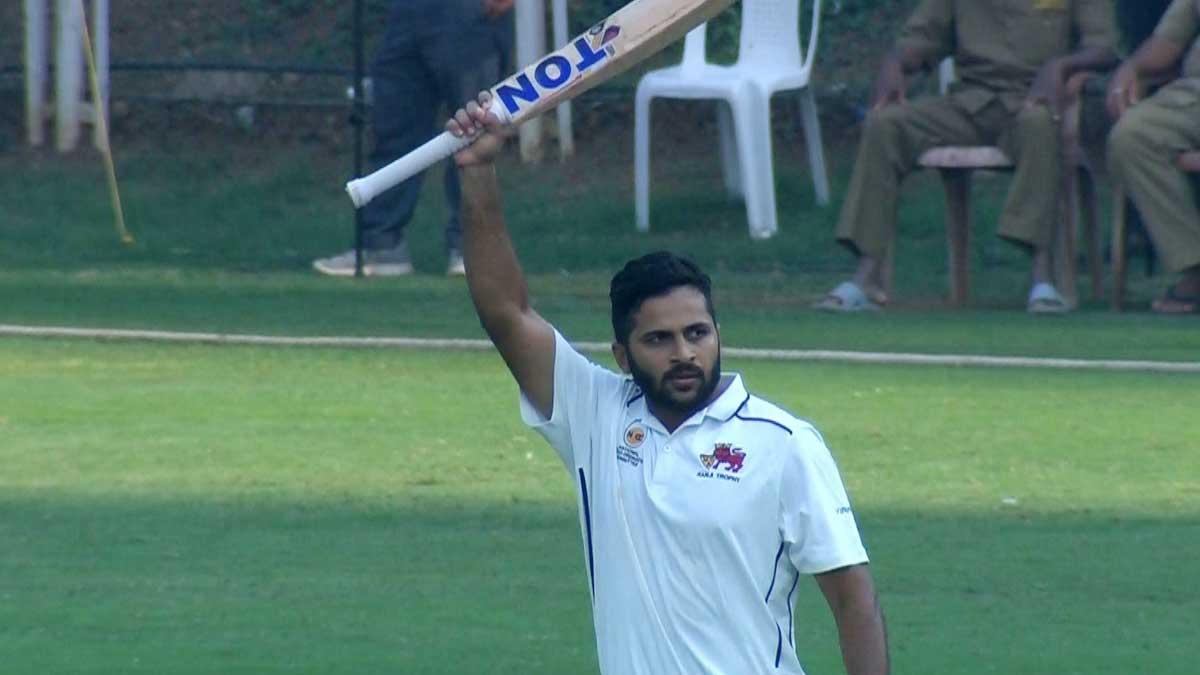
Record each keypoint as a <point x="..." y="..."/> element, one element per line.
<point x="363" y="190"/>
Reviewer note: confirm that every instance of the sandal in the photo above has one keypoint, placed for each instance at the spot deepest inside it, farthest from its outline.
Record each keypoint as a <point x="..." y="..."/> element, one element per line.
<point x="1045" y="299"/>
<point x="847" y="297"/>
<point x="1174" y="302"/>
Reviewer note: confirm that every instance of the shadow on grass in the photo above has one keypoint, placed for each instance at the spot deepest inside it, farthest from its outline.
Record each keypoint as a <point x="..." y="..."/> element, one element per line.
<point x="442" y="585"/>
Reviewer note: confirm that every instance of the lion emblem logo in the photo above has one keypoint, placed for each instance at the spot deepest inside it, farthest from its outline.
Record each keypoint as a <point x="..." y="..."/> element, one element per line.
<point x="724" y="453"/>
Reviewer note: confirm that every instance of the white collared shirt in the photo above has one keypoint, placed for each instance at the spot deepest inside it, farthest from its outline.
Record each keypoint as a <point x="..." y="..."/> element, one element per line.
<point x="694" y="540"/>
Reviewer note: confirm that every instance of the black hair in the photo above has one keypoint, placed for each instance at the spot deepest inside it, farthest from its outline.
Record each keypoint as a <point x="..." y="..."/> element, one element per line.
<point x="650" y="276"/>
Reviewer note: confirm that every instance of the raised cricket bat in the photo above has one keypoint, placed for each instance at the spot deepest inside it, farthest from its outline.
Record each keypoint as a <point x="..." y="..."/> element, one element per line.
<point x="629" y="35"/>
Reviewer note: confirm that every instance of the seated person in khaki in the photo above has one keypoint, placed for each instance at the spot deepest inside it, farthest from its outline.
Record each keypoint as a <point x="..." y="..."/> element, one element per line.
<point x="1150" y="136"/>
<point x="1012" y="59"/>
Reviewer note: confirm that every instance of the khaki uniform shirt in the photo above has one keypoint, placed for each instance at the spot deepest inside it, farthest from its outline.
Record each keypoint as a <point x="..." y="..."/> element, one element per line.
<point x="999" y="45"/>
<point x="1181" y="25"/>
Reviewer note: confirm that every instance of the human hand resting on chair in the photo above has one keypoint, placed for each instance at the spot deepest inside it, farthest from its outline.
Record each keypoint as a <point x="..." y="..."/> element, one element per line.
<point x="1124" y="90"/>
<point x="1048" y="88"/>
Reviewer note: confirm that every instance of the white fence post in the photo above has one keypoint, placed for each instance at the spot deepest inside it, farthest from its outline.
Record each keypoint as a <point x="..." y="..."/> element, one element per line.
<point x="100" y="46"/>
<point x="37" y="65"/>
<point x="566" y="133"/>
<point x="68" y="68"/>
<point x="531" y="46"/>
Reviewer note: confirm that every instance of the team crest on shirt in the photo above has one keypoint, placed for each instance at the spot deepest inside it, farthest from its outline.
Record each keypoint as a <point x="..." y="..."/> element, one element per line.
<point x="723" y="461"/>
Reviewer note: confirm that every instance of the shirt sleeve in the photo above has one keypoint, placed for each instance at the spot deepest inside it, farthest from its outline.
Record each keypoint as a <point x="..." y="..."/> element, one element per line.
<point x="1095" y="24"/>
<point x="818" y="525"/>
<point x="1180" y="23"/>
<point x="579" y="387"/>
<point x="930" y="31"/>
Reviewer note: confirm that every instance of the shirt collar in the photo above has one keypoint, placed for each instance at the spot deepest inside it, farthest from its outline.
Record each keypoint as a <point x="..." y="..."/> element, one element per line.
<point x="730" y="401"/>
<point x="724" y="408"/>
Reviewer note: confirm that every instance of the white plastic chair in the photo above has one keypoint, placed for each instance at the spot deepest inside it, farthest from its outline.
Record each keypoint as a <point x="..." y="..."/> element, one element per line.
<point x="770" y="59"/>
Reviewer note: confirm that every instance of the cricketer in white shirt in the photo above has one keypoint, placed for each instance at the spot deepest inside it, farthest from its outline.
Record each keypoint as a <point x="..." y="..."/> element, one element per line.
<point x="700" y="505"/>
<point x="695" y="540"/>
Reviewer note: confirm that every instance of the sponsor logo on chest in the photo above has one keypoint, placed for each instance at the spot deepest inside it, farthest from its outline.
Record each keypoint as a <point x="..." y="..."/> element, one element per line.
<point x="634" y="436"/>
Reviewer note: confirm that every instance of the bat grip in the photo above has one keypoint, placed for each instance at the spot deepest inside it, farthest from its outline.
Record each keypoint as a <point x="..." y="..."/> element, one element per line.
<point x="364" y="189"/>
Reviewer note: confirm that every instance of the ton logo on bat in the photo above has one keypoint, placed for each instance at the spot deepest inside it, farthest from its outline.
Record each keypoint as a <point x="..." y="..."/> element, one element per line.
<point x="556" y="70"/>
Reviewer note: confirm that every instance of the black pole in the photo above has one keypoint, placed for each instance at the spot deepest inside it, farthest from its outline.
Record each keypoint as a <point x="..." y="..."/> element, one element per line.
<point x="358" y="120"/>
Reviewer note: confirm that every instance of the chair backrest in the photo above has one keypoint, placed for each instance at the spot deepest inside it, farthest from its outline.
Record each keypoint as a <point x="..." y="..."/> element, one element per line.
<point x="694" y="46"/>
<point x="770" y="34"/>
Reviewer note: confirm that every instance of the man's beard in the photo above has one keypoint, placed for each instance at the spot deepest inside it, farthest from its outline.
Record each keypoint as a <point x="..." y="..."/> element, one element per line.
<point x="660" y="396"/>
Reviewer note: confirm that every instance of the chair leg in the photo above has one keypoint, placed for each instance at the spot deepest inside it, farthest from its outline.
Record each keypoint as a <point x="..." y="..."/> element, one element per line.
<point x="816" y="149"/>
<point x="958" y="232"/>
<point x="887" y="267"/>
<point x="1091" y="225"/>
<point x="752" y="125"/>
<point x="1066" y="272"/>
<point x="730" y="170"/>
<point x="1119" y="216"/>
<point x="766" y="171"/>
<point x="641" y="161"/>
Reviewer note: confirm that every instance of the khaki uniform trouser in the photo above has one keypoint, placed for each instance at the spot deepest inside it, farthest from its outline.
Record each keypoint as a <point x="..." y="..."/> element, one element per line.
<point x="1142" y="150"/>
<point x="897" y="135"/>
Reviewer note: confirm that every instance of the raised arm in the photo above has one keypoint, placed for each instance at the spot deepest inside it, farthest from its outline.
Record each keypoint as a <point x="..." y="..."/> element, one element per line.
<point x="494" y="277"/>
<point x="850" y="593"/>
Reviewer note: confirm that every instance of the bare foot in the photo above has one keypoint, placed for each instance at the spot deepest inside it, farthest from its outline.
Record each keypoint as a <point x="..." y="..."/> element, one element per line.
<point x="867" y="278"/>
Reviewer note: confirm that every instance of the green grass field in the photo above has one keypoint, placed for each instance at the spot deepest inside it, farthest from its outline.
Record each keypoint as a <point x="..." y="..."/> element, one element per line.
<point x="248" y="510"/>
<point x="195" y="509"/>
